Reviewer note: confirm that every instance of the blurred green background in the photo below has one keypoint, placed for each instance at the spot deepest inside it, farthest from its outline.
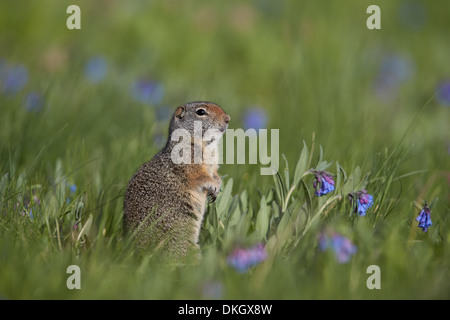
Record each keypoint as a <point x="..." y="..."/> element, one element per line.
<point x="89" y="106"/>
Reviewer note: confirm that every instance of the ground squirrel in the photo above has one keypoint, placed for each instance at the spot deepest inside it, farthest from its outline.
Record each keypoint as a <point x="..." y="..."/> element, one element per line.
<point x="165" y="200"/>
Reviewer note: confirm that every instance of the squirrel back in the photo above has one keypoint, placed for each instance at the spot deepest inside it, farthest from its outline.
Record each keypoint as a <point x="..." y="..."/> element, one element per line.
<point x="165" y="199"/>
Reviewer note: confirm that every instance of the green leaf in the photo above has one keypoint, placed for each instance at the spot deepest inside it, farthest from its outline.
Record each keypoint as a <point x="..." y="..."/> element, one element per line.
<point x="302" y="164"/>
<point x="352" y="183"/>
<point x="225" y="199"/>
<point x="235" y="214"/>
<point x="86" y="228"/>
<point x="286" y="173"/>
<point x="262" y="219"/>
<point x="279" y="189"/>
<point x="308" y="198"/>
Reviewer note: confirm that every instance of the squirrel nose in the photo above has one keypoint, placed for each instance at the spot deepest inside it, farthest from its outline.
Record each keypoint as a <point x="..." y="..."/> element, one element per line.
<point x="226" y="118"/>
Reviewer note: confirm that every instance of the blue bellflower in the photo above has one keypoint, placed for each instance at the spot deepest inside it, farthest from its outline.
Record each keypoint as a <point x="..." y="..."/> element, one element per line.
<point x="96" y="69"/>
<point x="255" y="118"/>
<point x="324" y="183"/>
<point x="424" y="218"/>
<point x="395" y="70"/>
<point x="73" y="188"/>
<point x="363" y="202"/>
<point x="243" y="259"/>
<point x="146" y="91"/>
<point x="443" y="96"/>
<point x="13" y="79"/>
<point x="342" y="247"/>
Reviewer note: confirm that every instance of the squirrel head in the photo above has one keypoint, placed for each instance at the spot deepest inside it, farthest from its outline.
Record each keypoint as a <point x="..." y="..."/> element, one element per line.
<point x="209" y="114"/>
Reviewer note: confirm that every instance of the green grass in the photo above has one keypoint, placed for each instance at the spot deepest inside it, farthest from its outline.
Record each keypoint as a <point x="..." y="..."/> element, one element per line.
<point x="311" y="66"/>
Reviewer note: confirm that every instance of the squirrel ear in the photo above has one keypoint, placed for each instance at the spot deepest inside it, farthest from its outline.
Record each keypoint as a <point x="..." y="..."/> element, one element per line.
<point x="179" y="113"/>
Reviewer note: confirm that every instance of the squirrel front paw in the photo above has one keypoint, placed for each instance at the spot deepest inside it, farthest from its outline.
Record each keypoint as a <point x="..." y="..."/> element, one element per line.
<point x="212" y="190"/>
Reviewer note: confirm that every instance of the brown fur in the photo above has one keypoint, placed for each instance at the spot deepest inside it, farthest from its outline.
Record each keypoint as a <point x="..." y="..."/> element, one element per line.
<point x="165" y="202"/>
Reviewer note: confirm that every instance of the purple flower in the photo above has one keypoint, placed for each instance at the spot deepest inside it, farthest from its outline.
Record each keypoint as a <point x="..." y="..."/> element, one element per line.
<point x="324" y="183"/>
<point x="424" y="218"/>
<point x="36" y="200"/>
<point x="13" y="78"/>
<point x="363" y="202"/>
<point x="29" y="204"/>
<point x="243" y="259"/>
<point x="342" y="247"/>
<point x="96" y="69"/>
<point x="73" y="188"/>
<point x="443" y="95"/>
<point x="255" y="118"/>
<point x="146" y="91"/>
<point x="33" y="101"/>
<point x="394" y="71"/>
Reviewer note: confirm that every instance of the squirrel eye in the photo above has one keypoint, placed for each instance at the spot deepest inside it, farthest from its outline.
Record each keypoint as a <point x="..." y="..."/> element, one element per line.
<point x="200" y="112"/>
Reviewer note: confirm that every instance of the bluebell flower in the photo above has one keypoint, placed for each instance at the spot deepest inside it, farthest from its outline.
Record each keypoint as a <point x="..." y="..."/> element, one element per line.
<point x="395" y="70"/>
<point x="243" y="259"/>
<point x="13" y="78"/>
<point x="424" y="218"/>
<point x="324" y="183"/>
<point x="255" y="118"/>
<point x="146" y="91"/>
<point x="342" y="247"/>
<point x="443" y="96"/>
<point x="73" y="188"/>
<point x="363" y="202"/>
<point x="96" y="69"/>
<point x="33" y="101"/>
<point x="29" y="204"/>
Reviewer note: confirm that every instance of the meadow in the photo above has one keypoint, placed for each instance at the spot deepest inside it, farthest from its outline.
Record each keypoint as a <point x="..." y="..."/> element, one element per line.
<point x="81" y="110"/>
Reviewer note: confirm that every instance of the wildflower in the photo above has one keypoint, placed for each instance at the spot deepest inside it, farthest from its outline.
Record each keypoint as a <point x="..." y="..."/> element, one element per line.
<point x="33" y="101"/>
<point x="424" y="218"/>
<point x="443" y="95"/>
<point x="342" y="247"/>
<point x="29" y="204"/>
<point x="145" y="91"/>
<point x="363" y="202"/>
<point x="73" y="188"/>
<point x="255" y="118"/>
<point x="395" y="70"/>
<point x="36" y="200"/>
<point x="324" y="183"/>
<point x="13" y="78"/>
<point x="96" y="69"/>
<point x="243" y="259"/>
